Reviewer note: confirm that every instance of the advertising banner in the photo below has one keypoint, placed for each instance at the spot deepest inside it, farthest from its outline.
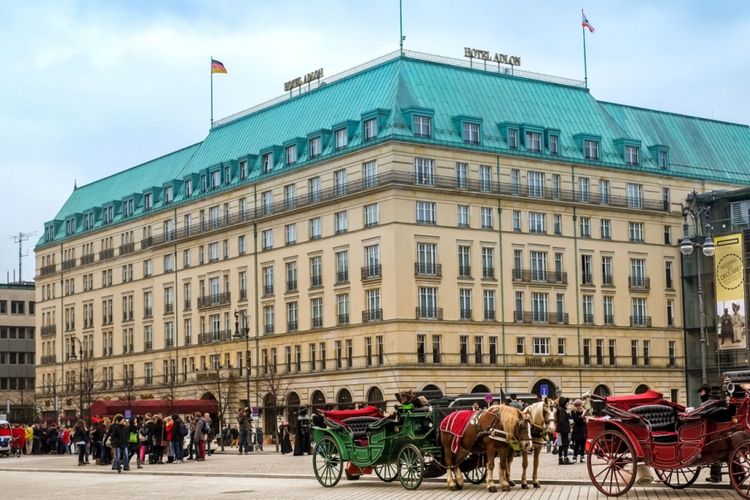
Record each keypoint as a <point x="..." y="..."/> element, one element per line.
<point x="730" y="292"/>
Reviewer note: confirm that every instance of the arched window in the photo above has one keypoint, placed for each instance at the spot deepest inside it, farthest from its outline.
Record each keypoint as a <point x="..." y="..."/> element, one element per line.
<point x="431" y="391"/>
<point x="269" y="414"/>
<point x="318" y="401"/>
<point x="641" y="388"/>
<point x="480" y="389"/>
<point x="544" y="387"/>
<point x="375" y="398"/>
<point x="344" y="400"/>
<point x="602" y="390"/>
<point x="292" y="409"/>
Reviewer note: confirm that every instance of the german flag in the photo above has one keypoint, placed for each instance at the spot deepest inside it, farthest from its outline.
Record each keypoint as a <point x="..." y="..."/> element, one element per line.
<point x="217" y="67"/>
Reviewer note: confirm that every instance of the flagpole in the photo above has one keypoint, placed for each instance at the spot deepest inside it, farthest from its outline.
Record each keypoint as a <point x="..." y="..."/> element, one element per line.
<point x="401" y="26"/>
<point x="585" y="64"/>
<point x="211" y="70"/>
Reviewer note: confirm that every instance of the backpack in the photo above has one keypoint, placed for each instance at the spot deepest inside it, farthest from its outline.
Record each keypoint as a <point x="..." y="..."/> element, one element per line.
<point x="133" y="438"/>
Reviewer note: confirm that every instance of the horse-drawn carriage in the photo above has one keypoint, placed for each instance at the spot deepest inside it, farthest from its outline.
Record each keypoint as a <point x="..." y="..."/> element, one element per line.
<point x="676" y="441"/>
<point x="411" y="444"/>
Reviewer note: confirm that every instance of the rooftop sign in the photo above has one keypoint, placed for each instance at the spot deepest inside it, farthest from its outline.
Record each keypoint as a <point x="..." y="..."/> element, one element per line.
<point x="300" y="81"/>
<point x="486" y="55"/>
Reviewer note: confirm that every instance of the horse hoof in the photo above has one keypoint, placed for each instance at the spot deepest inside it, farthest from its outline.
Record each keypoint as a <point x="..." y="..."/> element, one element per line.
<point x="524" y="486"/>
<point x="505" y="488"/>
<point x="452" y="487"/>
<point x="536" y="485"/>
<point x="492" y="489"/>
<point x="511" y="483"/>
<point x="459" y="487"/>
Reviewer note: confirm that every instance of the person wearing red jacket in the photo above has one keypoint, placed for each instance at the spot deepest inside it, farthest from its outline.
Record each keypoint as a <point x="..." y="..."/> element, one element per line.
<point x="168" y="426"/>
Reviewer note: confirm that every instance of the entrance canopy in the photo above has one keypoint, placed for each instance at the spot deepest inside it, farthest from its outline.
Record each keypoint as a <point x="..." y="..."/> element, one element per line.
<point x="164" y="406"/>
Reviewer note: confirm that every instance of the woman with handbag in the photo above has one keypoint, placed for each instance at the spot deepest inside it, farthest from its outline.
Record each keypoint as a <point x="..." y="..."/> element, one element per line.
<point x="79" y="438"/>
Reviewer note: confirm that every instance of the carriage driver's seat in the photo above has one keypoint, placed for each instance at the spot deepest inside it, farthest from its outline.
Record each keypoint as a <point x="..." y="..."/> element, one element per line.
<point x="663" y="421"/>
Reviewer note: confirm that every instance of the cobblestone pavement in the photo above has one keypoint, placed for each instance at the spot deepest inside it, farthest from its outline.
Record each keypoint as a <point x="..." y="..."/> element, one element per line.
<point x="85" y="486"/>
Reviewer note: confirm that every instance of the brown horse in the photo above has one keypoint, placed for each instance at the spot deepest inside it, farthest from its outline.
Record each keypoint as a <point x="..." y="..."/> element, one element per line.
<point x="542" y="417"/>
<point x="491" y="432"/>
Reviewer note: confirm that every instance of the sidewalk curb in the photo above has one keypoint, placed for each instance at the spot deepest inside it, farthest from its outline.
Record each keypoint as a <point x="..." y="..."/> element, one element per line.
<point x="251" y="475"/>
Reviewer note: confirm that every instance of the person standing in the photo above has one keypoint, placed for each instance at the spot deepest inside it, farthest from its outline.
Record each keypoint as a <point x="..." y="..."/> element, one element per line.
<point x="179" y="431"/>
<point x="134" y="442"/>
<point x="286" y="444"/>
<point x="80" y="434"/>
<point x="157" y="439"/>
<point x="515" y="403"/>
<point x="579" y="430"/>
<point x="118" y="435"/>
<point x="259" y="438"/>
<point x="29" y="435"/>
<point x="199" y="437"/>
<point x="563" y="430"/>
<point x="209" y="433"/>
<point x="243" y="420"/>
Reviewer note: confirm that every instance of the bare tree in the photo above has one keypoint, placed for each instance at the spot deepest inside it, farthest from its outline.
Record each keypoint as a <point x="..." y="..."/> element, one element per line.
<point x="273" y="387"/>
<point x="221" y="383"/>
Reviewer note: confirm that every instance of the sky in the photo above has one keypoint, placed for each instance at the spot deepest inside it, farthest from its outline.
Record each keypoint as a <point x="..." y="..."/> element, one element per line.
<point x="90" y="88"/>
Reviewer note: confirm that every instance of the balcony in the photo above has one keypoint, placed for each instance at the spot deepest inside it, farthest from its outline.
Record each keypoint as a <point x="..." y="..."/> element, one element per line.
<point x="268" y="329"/>
<point x="342" y="319"/>
<point x="641" y="283"/>
<point x="148" y="242"/>
<point x="316" y="322"/>
<point x="45" y="270"/>
<point x="608" y="281"/>
<point x="127" y="248"/>
<point x="215" y="336"/>
<point x="342" y="277"/>
<point x="291" y="326"/>
<point x="488" y="273"/>
<point x="148" y="312"/>
<point x="465" y="314"/>
<point x="428" y="269"/>
<point x="188" y="304"/>
<point x="489" y="315"/>
<point x="464" y="272"/>
<point x="87" y="259"/>
<point x="372" y="272"/>
<point x="267" y="290"/>
<point x="169" y="308"/>
<point x="106" y="254"/>
<point x="429" y="313"/>
<point x="49" y="330"/>
<point x="372" y="315"/>
<point x="316" y="281"/>
<point x="127" y="316"/>
<point x="640" y="321"/>
<point x="68" y="264"/>
<point x="587" y="279"/>
<point x="291" y="286"/>
<point x="540" y="317"/>
<point x="588" y="319"/>
<point x="48" y="360"/>
<point x="540" y="276"/>
<point x="214" y="300"/>
<point x="609" y="319"/>
<point x="243" y="294"/>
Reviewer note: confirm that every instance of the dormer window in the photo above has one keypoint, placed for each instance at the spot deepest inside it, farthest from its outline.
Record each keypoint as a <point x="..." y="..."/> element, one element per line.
<point x="204" y="183"/>
<point x="148" y="201"/>
<point x="422" y="126"/>
<point x="290" y="154"/>
<point x="50" y="234"/>
<point x="314" y="147"/>
<point x="188" y="188"/>
<point x="471" y="133"/>
<point x="215" y="179"/>
<point x="243" y="169"/>
<point x="631" y="155"/>
<point x="591" y="149"/>
<point x="534" y="141"/>
<point x="341" y="138"/>
<point x="663" y="159"/>
<point x="70" y="227"/>
<point x="266" y="162"/>
<point x="128" y="207"/>
<point x="168" y="194"/>
<point x="371" y="129"/>
<point x="108" y="214"/>
<point x="512" y="138"/>
<point x="88" y="221"/>
<point x="554" y="147"/>
<point x="227" y="174"/>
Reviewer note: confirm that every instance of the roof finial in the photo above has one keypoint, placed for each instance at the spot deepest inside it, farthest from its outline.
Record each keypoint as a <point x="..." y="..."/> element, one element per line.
<point x="75" y="184"/>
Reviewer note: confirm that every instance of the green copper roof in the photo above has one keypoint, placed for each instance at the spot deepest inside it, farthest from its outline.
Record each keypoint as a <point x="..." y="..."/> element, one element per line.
<point x="396" y="86"/>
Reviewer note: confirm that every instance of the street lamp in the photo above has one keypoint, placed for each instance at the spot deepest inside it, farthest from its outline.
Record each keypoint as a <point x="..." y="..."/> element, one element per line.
<point x="245" y="333"/>
<point x="703" y="240"/>
<point x="72" y="356"/>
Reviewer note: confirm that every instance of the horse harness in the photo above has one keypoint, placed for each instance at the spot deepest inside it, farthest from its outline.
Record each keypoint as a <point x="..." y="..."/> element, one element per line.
<point x="540" y="433"/>
<point x="493" y="433"/>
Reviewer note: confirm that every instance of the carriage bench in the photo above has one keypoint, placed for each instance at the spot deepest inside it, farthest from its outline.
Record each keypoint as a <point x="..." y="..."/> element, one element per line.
<point x="661" y="418"/>
<point x="359" y="427"/>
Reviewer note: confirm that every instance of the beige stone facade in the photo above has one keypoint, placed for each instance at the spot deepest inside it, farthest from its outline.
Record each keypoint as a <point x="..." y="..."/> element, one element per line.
<point x="510" y="296"/>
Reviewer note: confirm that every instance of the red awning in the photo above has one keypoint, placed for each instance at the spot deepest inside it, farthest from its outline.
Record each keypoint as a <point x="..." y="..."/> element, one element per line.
<point x="165" y="406"/>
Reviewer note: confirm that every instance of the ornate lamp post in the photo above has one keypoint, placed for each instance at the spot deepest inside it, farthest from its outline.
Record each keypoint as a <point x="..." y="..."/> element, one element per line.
<point x="75" y="340"/>
<point x="244" y="333"/>
<point x="701" y="239"/>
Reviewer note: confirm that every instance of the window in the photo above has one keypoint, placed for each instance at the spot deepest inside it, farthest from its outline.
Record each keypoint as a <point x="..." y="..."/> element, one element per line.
<point x="471" y="133"/>
<point x="605" y="225"/>
<point x="371" y="129"/>
<point x="486" y="216"/>
<point x="462" y="215"/>
<point x="670" y="312"/>
<point x="667" y="235"/>
<point x="635" y="231"/>
<point x="493" y="350"/>
<point x="516" y="217"/>
<point x="316" y="272"/>
<point x="646" y="352"/>
<point x="557" y="222"/>
<point x="168" y="263"/>
<point x="478" y="354"/>
<point x="668" y="275"/>
<point x="540" y="346"/>
<point x="538" y="265"/>
<point x="291" y="316"/>
<point x="488" y="262"/>
<point x="584" y="189"/>
<point x="463" y="342"/>
<point x="464" y="303"/>
<point x="553" y="144"/>
<point x="268" y="320"/>
<point x="485" y="177"/>
<point x="588" y="309"/>
<point x="520" y="345"/>
<point x="638" y="311"/>
<point x="638" y="273"/>
<point x="342" y="309"/>
<point x="371" y="214"/>
<point x="108" y="215"/>
<point x="426" y="258"/>
<point x="535" y="182"/>
<point x="128" y="207"/>
<point x="267" y="281"/>
<point x="587" y="351"/>
<point x="464" y="261"/>
<point x="290" y="200"/>
<point x="267" y="237"/>
<point x="315" y="229"/>
<point x="241" y="245"/>
<point x="537" y="222"/>
<point x="631" y="155"/>
<point x="314" y="147"/>
<point x="291" y="276"/>
<point x="342" y="266"/>
<point x="266" y="162"/>
<point x="340" y="222"/>
<point x="599" y="352"/>
<point x="512" y="138"/>
<point x="560" y="305"/>
<point x="534" y="141"/>
<point x="635" y="196"/>
<point x="462" y="175"/>
<point x="585" y="227"/>
<point x="539" y="307"/>
<point x="634" y="352"/>
<point x="313" y="189"/>
<point x="213" y="251"/>
<point x="591" y="149"/>
<point x="607" y="270"/>
<point x="147" y="268"/>
<point x="370" y="173"/>
<point x="515" y="181"/>
<point x="428" y="303"/>
<point x="187" y="188"/>
<point x="672" y="352"/>
<point x="518" y="304"/>
<point x="421" y="339"/>
<point x="561" y="346"/>
<point x="148" y="201"/>
<point x="425" y="212"/>
<point x="424" y="169"/>
<point x="215" y="179"/>
<point x="290" y="234"/>
<point x="663" y="159"/>
<point x="422" y="126"/>
<point x="341" y="137"/>
<point x="316" y="312"/>
<point x="586" y="270"/>
<point x="243" y="168"/>
<point x="604" y="191"/>
<point x="267" y="202"/>
<point x="339" y="182"/>
<point x="373" y="312"/>
<point x="609" y="310"/>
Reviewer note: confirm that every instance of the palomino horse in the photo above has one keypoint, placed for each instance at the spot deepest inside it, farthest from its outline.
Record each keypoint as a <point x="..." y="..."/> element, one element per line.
<point x="542" y="417"/>
<point x="489" y="431"/>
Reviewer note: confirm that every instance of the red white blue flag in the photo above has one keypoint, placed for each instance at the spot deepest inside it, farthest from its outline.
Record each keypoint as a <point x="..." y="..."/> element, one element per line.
<point x="585" y="22"/>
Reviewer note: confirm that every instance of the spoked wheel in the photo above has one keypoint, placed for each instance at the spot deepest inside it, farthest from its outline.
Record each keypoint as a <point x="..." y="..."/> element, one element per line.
<point x="386" y="472"/>
<point x="410" y="467"/>
<point x="478" y="474"/>
<point x="327" y="462"/>
<point x="612" y="463"/>
<point x="739" y="469"/>
<point x="678" y="478"/>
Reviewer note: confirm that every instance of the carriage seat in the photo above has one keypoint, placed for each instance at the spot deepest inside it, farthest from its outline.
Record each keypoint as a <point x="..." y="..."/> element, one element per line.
<point x="359" y="427"/>
<point x="715" y="410"/>
<point x="661" y="418"/>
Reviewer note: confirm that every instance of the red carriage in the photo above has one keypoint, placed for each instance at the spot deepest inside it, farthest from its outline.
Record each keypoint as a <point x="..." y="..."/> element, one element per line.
<point x="676" y="441"/>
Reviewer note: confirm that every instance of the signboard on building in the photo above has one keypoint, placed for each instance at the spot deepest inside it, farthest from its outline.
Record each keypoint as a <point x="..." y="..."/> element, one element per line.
<point x="300" y="81"/>
<point x="730" y="292"/>
<point x="486" y="55"/>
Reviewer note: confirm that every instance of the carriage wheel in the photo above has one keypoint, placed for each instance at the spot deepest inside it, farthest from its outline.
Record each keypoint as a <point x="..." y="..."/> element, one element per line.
<point x="327" y="462"/>
<point x="612" y="463"/>
<point x="678" y="478"/>
<point x="386" y="472"/>
<point x="410" y="467"/>
<point x="478" y="474"/>
<point x="739" y="469"/>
